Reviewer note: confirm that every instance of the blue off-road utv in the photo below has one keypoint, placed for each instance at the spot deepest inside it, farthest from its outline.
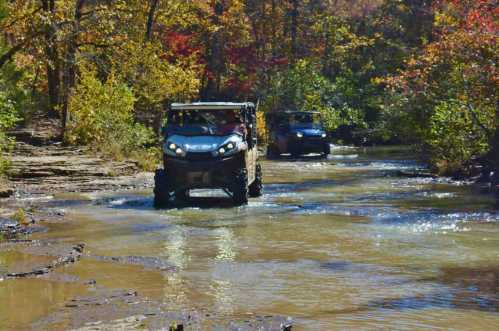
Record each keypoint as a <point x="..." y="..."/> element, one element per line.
<point x="209" y="145"/>
<point x="296" y="133"/>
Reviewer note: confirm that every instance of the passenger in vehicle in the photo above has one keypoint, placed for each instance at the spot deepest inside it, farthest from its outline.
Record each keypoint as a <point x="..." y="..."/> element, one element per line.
<point x="233" y="123"/>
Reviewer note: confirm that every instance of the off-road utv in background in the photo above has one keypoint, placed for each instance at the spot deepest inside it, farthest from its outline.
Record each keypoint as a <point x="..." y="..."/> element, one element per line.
<point x="209" y="145"/>
<point x="296" y="133"/>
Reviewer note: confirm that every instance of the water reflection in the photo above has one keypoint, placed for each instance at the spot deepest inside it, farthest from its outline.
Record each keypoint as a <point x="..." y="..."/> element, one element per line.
<point x="226" y="244"/>
<point x="174" y="248"/>
<point x="222" y="291"/>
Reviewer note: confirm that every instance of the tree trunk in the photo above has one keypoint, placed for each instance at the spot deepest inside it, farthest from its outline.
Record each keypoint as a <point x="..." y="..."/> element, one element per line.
<point x="294" y="29"/>
<point x="274" y="31"/>
<point x="326" y="57"/>
<point x="70" y="65"/>
<point x="153" y="5"/>
<point x="53" y="63"/>
<point x="495" y="160"/>
<point x="215" y="57"/>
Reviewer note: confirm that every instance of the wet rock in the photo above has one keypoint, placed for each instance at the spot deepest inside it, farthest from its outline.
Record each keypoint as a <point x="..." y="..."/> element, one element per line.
<point x="147" y="262"/>
<point x="91" y="282"/>
<point x="6" y="192"/>
<point x="8" y="224"/>
<point x="71" y="256"/>
<point x="177" y="327"/>
<point x="127" y="323"/>
<point x="10" y="228"/>
<point x="267" y="323"/>
<point x="415" y="174"/>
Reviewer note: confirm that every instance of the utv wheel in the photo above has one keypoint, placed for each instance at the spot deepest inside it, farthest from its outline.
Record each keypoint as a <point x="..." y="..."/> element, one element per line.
<point x="240" y="188"/>
<point x="162" y="193"/>
<point x="271" y="152"/>
<point x="182" y="195"/>
<point x="327" y="149"/>
<point x="256" y="188"/>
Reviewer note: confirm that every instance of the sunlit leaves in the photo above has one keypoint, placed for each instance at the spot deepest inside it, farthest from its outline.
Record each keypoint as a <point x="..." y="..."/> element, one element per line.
<point x="450" y="88"/>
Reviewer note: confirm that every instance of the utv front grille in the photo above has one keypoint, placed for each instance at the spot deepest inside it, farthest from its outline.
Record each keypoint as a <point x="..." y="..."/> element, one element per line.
<point x="191" y="156"/>
<point x="314" y="138"/>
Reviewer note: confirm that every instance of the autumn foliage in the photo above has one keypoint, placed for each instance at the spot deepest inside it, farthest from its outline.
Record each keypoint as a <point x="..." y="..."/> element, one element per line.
<point x="381" y="71"/>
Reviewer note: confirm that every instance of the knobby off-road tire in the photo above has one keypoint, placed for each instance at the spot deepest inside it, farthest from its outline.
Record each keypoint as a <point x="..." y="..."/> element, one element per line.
<point x="326" y="149"/>
<point x="295" y="151"/>
<point x="256" y="188"/>
<point x="239" y="188"/>
<point x="182" y="195"/>
<point x="162" y="189"/>
<point x="272" y="152"/>
<point x="295" y="154"/>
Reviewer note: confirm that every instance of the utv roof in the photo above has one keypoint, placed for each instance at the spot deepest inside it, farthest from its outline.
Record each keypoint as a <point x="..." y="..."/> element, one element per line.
<point x="212" y="105"/>
<point x="291" y="112"/>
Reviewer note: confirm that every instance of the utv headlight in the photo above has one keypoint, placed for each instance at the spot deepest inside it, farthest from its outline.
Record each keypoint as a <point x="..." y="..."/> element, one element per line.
<point x="299" y="135"/>
<point x="323" y="135"/>
<point x="174" y="150"/>
<point x="228" y="149"/>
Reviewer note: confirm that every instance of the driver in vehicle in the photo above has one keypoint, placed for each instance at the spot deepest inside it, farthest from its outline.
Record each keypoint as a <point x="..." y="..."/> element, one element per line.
<point x="233" y="123"/>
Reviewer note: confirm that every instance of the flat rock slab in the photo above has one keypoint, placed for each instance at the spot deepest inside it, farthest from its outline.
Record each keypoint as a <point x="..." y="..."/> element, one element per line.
<point x="46" y="257"/>
<point x="106" y="309"/>
<point x="52" y="167"/>
<point x="148" y="262"/>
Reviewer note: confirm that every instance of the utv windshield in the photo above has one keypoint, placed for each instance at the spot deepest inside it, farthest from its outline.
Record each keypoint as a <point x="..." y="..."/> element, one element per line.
<point x="205" y="122"/>
<point x="305" y="119"/>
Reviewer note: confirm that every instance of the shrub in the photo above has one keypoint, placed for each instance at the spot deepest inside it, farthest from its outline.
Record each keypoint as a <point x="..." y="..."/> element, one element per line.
<point x="7" y="119"/>
<point x="261" y="126"/>
<point x="302" y="87"/>
<point x="101" y="115"/>
<point x="453" y="138"/>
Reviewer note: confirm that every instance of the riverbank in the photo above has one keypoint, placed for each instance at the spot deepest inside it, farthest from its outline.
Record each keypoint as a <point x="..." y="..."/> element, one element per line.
<point x="42" y="168"/>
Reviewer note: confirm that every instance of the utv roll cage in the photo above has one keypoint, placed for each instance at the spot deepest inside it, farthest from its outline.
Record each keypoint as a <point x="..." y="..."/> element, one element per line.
<point x="247" y="113"/>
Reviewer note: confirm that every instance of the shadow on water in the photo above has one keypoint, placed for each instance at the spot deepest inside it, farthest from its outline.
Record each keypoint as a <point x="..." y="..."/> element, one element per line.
<point x="302" y="158"/>
<point x="300" y="186"/>
<point x="464" y="288"/>
<point x="205" y="203"/>
<point x="146" y="203"/>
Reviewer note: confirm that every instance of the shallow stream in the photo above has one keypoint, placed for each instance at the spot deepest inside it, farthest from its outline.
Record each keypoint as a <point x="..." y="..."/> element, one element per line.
<point x="343" y="243"/>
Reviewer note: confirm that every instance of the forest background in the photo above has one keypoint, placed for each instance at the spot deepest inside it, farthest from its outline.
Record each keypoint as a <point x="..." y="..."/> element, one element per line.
<point x="416" y="72"/>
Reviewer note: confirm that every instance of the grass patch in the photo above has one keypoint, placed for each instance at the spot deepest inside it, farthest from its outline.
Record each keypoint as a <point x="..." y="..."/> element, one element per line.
<point x="20" y="217"/>
<point x="147" y="160"/>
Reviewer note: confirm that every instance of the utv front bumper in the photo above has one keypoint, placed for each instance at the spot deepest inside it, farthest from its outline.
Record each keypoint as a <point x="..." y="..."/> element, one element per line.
<point x="306" y="145"/>
<point x="194" y="172"/>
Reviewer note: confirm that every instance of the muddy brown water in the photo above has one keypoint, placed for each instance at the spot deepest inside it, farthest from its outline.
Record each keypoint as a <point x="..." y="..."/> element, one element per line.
<point x="343" y="243"/>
